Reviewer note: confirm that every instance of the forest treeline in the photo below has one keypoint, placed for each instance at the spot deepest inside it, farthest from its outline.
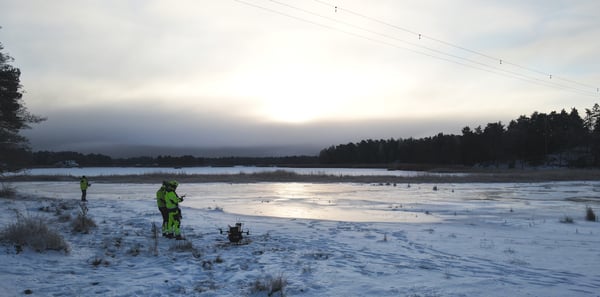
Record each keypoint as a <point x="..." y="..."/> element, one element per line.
<point x="557" y="138"/>
<point x="52" y="159"/>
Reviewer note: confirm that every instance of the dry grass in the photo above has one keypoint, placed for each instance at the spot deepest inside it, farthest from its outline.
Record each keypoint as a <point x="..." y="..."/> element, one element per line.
<point x="590" y="215"/>
<point x="185" y="246"/>
<point x="567" y="220"/>
<point x="7" y="191"/>
<point x="153" y="249"/>
<point x="83" y="223"/>
<point x="34" y="232"/>
<point x="273" y="286"/>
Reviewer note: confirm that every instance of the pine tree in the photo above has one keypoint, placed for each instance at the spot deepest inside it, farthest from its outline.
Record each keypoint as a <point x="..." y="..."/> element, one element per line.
<point x="14" y="117"/>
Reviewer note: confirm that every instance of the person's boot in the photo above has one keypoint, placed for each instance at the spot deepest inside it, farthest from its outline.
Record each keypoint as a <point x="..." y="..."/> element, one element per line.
<point x="179" y="237"/>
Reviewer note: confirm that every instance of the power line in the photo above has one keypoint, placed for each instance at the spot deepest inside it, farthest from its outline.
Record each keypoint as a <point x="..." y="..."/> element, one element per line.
<point x="520" y="76"/>
<point x="420" y="35"/>
<point x="471" y="63"/>
<point x="496" y="69"/>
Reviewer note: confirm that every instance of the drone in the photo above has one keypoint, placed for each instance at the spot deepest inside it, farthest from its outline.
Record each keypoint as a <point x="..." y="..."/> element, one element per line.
<point x="235" y="233"/>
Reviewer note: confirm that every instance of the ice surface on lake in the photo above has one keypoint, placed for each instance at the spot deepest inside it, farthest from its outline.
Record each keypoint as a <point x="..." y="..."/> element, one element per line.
<point x="350" y="202"/>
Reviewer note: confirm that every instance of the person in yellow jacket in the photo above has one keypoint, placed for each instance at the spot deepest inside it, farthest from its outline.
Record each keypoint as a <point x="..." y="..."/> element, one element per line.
<point x="172" y="203"/>
<point x="162" y="206"/>
<point x="84" y="184"/>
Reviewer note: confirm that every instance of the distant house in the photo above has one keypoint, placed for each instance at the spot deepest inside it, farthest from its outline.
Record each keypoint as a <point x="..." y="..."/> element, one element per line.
<point x="67" y="163"/>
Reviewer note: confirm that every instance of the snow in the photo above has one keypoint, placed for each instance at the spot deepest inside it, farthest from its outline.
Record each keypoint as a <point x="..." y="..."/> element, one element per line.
<point x="322" y="239"/>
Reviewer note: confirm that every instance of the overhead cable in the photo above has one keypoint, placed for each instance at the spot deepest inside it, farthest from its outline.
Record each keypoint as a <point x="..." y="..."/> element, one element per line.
<point x="448" y="56"/>
<point x="421" y="36"/>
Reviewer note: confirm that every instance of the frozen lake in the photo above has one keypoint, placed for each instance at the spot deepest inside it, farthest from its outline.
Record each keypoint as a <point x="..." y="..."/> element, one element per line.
<point x="353" y="202"/>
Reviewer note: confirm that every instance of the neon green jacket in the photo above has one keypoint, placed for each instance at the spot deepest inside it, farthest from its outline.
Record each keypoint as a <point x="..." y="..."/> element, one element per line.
<point x="84" y="184"/>
<point x="160" y="197"/>
<point x="172" y="200"/>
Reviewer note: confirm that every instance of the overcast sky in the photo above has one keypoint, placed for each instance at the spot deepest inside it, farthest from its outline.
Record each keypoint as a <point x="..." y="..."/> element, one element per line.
<point x="302" y="74"/>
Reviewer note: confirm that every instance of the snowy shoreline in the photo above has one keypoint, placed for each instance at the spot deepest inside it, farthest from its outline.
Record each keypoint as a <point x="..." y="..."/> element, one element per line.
<point x="488" y="240"/>
<point x="475" y="176"/>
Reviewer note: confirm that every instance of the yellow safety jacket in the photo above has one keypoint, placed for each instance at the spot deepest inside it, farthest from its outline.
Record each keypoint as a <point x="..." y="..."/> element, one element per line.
<point x="84" y="184"/>
<point x="172" y="200"/>
<point x="160" y="197"/>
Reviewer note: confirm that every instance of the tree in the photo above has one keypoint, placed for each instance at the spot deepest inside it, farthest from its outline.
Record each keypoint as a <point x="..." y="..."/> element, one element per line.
<point x="493" y="136"/>
<point x="14" y="117"/>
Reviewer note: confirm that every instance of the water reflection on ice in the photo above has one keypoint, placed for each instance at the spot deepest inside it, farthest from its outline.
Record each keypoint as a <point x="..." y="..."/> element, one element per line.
<point x="339" y="202"/>
<point x="352" y="202"/>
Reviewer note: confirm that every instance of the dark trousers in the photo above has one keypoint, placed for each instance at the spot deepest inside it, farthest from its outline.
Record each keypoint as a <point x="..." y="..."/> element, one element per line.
<point x="83" y="194"/>
<point x="165" y="216"/>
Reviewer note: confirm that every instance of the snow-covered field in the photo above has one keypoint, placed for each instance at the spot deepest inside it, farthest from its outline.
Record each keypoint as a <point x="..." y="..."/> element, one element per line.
<point x="322" y="239"/>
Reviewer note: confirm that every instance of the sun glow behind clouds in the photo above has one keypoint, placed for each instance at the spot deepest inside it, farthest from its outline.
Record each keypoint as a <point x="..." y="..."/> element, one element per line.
<point x="301" y="93"/>
<point x="298" y="94"/>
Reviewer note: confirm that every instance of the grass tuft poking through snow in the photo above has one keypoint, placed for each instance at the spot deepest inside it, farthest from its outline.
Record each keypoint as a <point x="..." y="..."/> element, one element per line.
<point x="590" y="215"/>
<point x="83" y="223"/>
<point x="34" y="233"/>
<point x="567" y="220"/>
<point x="154" y="244"/>
<point x="185" y="246"/>
<point x="273" y="286"/>
<point x="7" y="191"/>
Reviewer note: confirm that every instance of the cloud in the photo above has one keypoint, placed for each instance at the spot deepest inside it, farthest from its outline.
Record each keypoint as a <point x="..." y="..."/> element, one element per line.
<point x="221" y="73"/>
<point x="127" y="131"/>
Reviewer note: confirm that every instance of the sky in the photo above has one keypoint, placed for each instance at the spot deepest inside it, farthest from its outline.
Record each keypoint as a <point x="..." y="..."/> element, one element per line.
<point x="291" y="77"/>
